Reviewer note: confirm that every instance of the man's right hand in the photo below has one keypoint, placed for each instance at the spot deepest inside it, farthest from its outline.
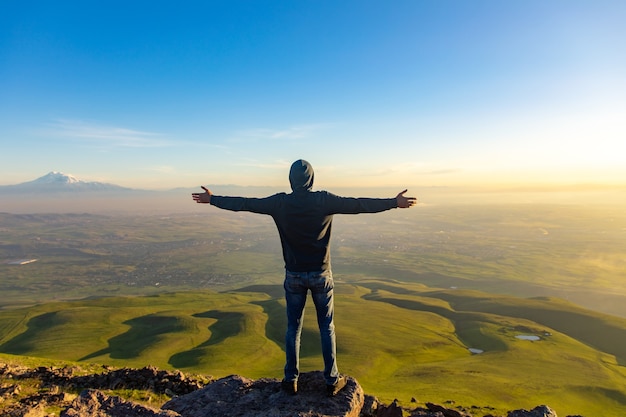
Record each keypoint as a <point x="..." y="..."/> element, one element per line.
<point x="405" y="202"/>
<point x="204" y="197"/>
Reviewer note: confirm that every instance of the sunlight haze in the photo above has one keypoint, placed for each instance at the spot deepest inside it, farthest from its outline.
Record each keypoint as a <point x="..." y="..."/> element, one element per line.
<point x="159" y="95"/>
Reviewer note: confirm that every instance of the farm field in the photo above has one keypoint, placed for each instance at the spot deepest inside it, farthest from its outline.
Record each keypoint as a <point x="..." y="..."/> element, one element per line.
<point x="577" y="253"/>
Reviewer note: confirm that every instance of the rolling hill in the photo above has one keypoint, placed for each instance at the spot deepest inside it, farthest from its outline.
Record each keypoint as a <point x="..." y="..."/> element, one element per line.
<point x="399" y="340"/>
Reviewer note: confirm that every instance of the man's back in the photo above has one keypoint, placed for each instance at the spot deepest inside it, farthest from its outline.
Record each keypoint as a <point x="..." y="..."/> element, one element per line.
<point x="304" y="217"/>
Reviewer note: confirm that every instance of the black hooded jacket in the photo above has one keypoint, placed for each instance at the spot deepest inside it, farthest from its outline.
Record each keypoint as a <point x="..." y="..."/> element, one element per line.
<point x="304" y="217"/>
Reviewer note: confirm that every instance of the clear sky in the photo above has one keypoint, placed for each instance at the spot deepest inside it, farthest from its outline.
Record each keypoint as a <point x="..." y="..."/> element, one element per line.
<point x="163" y="94"/>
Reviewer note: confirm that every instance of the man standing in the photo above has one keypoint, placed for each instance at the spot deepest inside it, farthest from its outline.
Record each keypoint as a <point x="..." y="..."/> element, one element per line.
<point x="304" y="219"/>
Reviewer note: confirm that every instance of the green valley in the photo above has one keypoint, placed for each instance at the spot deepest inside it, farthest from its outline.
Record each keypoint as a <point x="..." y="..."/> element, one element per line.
<point x="508" y="306"/>
<point x="399" y="340"/>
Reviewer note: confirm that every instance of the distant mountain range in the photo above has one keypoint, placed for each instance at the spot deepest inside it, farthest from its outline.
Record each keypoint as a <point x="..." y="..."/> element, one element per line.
<point x="59" y="182"/>
<point x="57" y="192"/>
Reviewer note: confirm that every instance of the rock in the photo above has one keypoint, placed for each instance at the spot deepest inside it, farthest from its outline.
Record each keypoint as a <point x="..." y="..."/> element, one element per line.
<point x="147" y="378"/>
<point x="9" y="390"/>
<point x="391" y="410"/>
<point x="436" y="410"/>
<point x="21" y="410"/>
<point x="36" y="411"/>
<point x="539" y="411"/>
<point x="93" y="403"/>
<point x="236" y="396"/>
<point x="446" y="412"/>
<point x="193" y="396"/>
<point x="370" y="406"/>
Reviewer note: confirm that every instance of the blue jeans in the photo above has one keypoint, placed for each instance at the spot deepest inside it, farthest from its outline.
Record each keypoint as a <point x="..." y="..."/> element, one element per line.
<point x="297" y="285"/>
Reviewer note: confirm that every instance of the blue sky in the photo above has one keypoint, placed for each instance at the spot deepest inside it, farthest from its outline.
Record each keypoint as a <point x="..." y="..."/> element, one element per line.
<point x="404" y="93"/>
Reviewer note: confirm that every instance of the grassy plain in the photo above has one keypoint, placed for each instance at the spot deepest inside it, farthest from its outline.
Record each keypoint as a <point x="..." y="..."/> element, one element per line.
<point x="572" y="252"/>
<point x="416" y="289"/>
<point x="399" y="340"/>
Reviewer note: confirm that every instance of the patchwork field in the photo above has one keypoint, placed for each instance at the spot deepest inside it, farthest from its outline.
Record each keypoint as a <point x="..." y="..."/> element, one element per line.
<point x="573" y="252"/>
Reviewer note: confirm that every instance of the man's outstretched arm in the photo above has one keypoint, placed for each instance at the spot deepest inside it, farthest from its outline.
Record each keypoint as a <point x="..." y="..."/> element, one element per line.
<point x="352" y="205"/>
<point x="204" y="197"/>
<point x="266" y="205"/>
<point x="405" y="202"/>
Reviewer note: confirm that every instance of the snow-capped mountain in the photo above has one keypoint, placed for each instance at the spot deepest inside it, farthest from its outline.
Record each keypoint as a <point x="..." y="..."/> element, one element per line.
<point x="57" y="181"/>
<point x="55" y="177"/>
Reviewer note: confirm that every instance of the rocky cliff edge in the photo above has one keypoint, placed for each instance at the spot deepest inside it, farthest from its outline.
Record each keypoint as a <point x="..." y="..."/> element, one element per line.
<point x="232" y="396"/>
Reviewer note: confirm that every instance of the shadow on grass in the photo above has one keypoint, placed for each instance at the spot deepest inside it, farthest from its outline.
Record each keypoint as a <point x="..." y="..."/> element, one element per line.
<point x="276" y="321"/>
<point x="228" y="324"/>
<point x="144" y="332"/>
<point x="276" y="326"/>
<point x="601" y="331"/>
<point x="24" y="343"/>
<point x="380" y="285"/>
<point x="615" y="395"/>
<point x="466" y="324"/>
<point x="274" y="291"/>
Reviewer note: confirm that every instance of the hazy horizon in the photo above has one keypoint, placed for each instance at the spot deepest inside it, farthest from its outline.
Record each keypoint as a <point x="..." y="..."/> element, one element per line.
<point x="179" y="200"/>
<point x="415" y="94"/>
<point x="324" y="182"/>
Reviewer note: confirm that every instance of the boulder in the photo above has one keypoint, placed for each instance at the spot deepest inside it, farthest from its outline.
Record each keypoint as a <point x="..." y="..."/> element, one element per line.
<point x="236" y="396"/>
<point x="94" y="403"/>
<point x="539" y="411"/>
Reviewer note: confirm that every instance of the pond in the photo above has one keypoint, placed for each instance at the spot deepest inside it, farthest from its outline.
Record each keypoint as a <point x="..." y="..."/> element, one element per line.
<point x="527" y="337"/>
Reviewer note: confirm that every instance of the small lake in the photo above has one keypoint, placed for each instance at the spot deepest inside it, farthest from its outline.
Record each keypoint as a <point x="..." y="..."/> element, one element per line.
<point x="527" y="337"/>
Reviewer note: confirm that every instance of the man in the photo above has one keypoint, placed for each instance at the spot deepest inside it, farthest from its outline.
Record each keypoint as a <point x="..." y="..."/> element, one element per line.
<point x="304" y="218"/>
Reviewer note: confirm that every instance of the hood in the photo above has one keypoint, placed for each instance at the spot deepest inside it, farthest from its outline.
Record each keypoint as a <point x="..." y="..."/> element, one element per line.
<point x="301" y="176"/>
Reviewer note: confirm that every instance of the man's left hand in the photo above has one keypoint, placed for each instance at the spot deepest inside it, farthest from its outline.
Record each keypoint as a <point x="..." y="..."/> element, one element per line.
<point x="405" y="202"/>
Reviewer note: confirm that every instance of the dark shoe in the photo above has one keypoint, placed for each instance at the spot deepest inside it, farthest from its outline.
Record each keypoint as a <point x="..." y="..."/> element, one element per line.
<point x="290" y="387"/>
<point x="332" y="390"/>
